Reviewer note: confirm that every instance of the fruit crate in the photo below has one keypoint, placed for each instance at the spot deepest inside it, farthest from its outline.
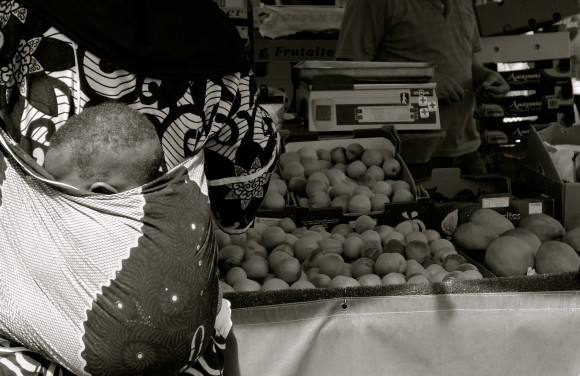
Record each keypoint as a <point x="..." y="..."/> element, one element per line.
<point x="392" y="213"/>
<point x="455" y="196"/>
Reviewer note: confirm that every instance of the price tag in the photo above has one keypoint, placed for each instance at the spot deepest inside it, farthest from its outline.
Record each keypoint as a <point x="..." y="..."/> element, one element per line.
<point x="535" y="208"/>
<point x="495" y="202"/>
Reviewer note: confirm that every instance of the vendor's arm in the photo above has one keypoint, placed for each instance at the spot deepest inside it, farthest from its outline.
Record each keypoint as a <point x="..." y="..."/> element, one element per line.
<point x="489" y="84"/>
<point x="362" y="30"/>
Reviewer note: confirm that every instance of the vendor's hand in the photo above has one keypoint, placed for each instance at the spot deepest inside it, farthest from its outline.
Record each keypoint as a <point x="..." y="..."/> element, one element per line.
<point x="493" y="87"/>
<point x="448" y="90"/>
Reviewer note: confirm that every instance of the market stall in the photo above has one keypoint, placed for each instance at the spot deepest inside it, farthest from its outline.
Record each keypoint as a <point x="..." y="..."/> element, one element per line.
<point x="517" y="326"/>
<point x="454" y="274"/>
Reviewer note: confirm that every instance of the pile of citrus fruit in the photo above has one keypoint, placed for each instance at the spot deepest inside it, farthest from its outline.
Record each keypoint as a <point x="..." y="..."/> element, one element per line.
<point x="355" y="178"/>
<point x="284" y="256"/>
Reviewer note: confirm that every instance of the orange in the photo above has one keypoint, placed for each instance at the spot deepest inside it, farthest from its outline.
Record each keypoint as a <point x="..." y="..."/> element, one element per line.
<point x="311" y="166"/>
<point x="302" y="284"/>
<point x="232" y="251"/>
<point x="372" y="157"/>
<point x="273" y="200"/>
<point x="384" y="230"/>
<point x="405" y="227"/>
<point x="340" y="202"/>
<point x="331" y="264"/>
<point x="239" y="239"/>
<point x="440" y="243"/>
<point x="222" y="238"/>
<point x="390" y="263"/>
<point x="378" y="202"/>
<point x="339" y="189"/>
<point x="315" y="186"/>
<point x="343" y="281"/>
<point x="289" y="270"/>
<point x="416" y="235"/>
<point x="235" y="274"/>
<point x="303" y="247"/>
<point x="323" y="154"/>
<point x="355" y="168"/>
<point x="331" y="246"/>
<point x="287" y="224"/>
<point x="320" y="280"/>
<point x="359" y="204"/>
<point x="347" y="270"/>
<point x="393" y="279"/>
<point x="225" y="287"/>
<point x="362" y="190"/>
<point x="319" y="200"/>
<point x="452" y="262"/>
<point x="254" y="248"/>
<point x="297" y="185"/>
<point x="392" y="167"/>
<point x="362" y="266"/>
<point x="284" y="247"/>
<point x="247" y="285"/>
<point x="291" y="239"/>
<point x="366" y="180"/>
<point x="371" y="249"/>
<point x="432" y="235"/>
<point x="306" y="153"/>
<point x="364" y="223"/>
<point x="400" y="184"/>
<point x="383" y="187"/>
<point x="289" y="156"/>
<point x="370" y="280"/>
<point x="291" y="170"/>
<point x="417" y="250"/>
<point x="352" y="247"/>
<point x="370" y="235"/>
<point x="418" y="279"/>
<point x="275" y="284"/>
<point x="318" y="175"/>
<point x="338" y="155"/>
<point x="354" y="151"/>
<point x="278" y="185"/>
<point x="276" y="258"/>
<point x="403" y="195"/>
<point x="376" y="172"/>
<point x="272" y="236"/>
<point x="335" y="176"/>
<point x="256" y="267"/>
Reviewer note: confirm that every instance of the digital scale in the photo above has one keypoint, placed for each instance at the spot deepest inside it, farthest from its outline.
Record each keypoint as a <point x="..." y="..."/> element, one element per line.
<point x="334" y="101"/>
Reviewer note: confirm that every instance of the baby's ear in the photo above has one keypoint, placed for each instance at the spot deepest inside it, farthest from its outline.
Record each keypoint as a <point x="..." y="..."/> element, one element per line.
<point x="102" y="187"/>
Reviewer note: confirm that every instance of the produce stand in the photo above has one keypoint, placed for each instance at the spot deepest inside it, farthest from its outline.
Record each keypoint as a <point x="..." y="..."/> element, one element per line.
<point x="516" y="325"/>
<point x="495" y="326"/>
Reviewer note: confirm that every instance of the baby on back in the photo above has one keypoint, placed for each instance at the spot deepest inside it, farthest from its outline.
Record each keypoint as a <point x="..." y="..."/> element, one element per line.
<point x="107" y="148"/>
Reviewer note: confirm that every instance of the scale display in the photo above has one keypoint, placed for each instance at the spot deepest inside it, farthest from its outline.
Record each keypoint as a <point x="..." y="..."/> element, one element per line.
<point x="406" y="107"/>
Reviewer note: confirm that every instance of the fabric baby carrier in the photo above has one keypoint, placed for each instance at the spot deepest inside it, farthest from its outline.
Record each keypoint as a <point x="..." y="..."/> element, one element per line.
<point x="105" y="282"/>
<point x="124" y="283"/>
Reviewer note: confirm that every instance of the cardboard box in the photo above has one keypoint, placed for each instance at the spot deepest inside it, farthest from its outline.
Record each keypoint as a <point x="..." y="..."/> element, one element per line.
<point x="539" y="74"/>
<point x="542" y="175"/>
<point x="519" y="16"/>
<point x="543" y="100"/>
<point x="456" y="197"/>
<point x="393" y="213"/>
<point x="520" y="48"/>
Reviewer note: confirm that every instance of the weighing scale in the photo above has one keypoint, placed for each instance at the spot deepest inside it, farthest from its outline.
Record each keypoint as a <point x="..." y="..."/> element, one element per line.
<point x="344" y="96"/>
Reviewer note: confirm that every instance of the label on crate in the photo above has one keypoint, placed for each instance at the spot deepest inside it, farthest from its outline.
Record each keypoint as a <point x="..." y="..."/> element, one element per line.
<point x="495" y="202"/>
<point x="535" y="208"/>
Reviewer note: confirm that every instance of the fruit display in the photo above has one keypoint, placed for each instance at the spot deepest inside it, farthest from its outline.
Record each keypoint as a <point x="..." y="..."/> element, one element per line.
<point x="539" y="243"/>
<point x="355" y="178"/>
<point x="283" y="256"/>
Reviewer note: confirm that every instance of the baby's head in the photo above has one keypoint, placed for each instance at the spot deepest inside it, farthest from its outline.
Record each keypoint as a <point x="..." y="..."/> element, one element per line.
<point x="107" y="148"/>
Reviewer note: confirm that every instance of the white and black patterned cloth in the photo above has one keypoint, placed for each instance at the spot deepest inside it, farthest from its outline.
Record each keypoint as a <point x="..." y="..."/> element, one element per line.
<point x="211" y="120"/>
